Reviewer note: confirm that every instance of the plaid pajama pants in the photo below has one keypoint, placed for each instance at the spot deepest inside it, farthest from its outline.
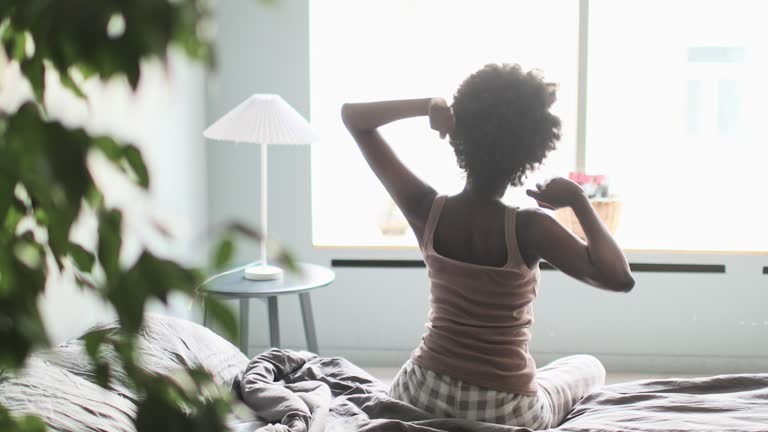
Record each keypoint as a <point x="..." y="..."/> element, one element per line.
<point x="561" y="384"/>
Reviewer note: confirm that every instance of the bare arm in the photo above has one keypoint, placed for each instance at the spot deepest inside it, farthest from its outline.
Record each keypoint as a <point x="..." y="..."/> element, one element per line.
<point x="599" y="262"/>
<point x="412" y="195"/>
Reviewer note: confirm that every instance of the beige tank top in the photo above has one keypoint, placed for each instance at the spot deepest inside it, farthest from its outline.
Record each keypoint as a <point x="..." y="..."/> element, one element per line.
<point x="479" y="319"/>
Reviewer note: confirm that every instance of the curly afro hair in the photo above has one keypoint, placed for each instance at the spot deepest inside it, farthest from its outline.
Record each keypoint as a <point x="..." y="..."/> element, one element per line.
<point x="503" y="125"/>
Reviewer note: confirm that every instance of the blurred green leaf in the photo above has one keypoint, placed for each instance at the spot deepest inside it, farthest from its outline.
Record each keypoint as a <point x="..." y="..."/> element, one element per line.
<point x="13" y="215"/>
<point x="149" y="278"/>
<point x="29" y="254"/>
<point x="29" y="423"/>
<point x="34" y="70"/>
<point x="20" y="423"/>
<point x="7" y="37"/>
<point x="6" y="194"/>
<point x="224" y="252"/>
<point x="133" y="73"/>
<point x="93" y="341"/>
<point x="83" y="259"/>
<point x="287" y="260"/>
<point x="94" y="198"/>
<point x="102" y="373"/>
<point x="4" y="27"/>
<point x="68" y="82"/>
<point x="42" y="217"/>
<point x="20" y="47"/>
<point x="245" y="230"/>
<point x="185" y="402"/>
<point x="50" y="170"/>
<point x="135" y="161"/>
<point x="126" y="157"/>
<point x="110" y="241"/>
<point x="109" y="147"/>
<point x="22" y="280"/>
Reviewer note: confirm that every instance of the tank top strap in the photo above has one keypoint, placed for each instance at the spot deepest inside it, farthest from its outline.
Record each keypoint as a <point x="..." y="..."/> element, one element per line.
<point x="434" y="215"/>
<point x="514" y="257"/>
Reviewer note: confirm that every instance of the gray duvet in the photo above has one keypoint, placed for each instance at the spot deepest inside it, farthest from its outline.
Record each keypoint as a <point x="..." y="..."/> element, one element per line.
<point x="291" y="391"/>
<point x="302" y="392"/>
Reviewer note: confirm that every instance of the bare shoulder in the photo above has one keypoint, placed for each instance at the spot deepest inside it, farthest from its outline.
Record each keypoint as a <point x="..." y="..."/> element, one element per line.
<point x="532" y="219"/>
<point x="530" y="225"/>
<point x="417" y="215"/>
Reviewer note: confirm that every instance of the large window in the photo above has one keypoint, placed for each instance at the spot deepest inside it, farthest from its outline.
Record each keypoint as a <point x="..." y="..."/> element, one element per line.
<point x="673" y="96"/>
<point x="676" y="102"/>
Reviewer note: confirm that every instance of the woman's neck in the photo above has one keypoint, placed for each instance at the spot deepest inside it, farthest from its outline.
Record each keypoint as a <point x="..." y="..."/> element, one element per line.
<point x="473" y="192"/>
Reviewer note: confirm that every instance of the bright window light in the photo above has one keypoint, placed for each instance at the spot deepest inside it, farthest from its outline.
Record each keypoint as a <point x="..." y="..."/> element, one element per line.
<point x="676" y="119"/>
<point x="365" y="50"/>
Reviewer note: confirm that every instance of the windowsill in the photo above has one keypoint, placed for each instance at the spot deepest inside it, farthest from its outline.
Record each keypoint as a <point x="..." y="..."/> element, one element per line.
<point x="409" y="247"/>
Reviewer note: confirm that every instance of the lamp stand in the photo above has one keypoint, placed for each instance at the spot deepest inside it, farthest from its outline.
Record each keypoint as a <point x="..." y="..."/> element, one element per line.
<point x="263" y="271"/>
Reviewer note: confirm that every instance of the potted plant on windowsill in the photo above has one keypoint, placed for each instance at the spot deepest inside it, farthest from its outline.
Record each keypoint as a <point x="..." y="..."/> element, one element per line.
<point x="607" y="205"/>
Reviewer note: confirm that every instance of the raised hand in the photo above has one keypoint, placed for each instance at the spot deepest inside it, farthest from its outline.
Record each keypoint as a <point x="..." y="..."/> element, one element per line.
<point x="441" y="117"/>
<point x="556" y="193"/>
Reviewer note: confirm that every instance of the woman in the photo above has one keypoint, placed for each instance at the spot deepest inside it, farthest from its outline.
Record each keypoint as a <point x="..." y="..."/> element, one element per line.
<point x="482" y="256"/>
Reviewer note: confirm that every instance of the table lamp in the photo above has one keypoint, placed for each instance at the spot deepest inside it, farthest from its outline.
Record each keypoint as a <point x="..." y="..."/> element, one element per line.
<point x="262" y="119"/>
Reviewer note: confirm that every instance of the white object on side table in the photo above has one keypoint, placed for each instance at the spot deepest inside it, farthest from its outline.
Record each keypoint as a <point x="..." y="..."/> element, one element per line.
<point x="262" y="119"/>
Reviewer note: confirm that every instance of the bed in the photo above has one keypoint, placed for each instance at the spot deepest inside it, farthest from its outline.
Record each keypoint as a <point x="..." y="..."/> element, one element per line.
<point x="300" y="392"/>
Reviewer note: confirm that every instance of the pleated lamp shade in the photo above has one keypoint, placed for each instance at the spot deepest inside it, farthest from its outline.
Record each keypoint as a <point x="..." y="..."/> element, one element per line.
<point x="262" y="119"/>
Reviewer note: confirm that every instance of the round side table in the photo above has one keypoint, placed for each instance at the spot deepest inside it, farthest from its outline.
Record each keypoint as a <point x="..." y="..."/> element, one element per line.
<point x="233" y="285"/>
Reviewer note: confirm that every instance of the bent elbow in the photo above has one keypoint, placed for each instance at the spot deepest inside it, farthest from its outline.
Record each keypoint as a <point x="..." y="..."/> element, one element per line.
<point x="354" y="120"/>
<point x="625" y="285"/>
<point x="345" y="114"/>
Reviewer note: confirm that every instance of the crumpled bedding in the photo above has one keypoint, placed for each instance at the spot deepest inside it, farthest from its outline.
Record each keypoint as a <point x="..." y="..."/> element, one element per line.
<point x="291" y="391"/>
<point x="719" y="403"/>
<point x="300" y="392"/>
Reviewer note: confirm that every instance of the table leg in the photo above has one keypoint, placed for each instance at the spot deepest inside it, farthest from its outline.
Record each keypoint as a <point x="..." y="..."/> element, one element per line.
<point x="274" y="322"/>
<point x="309" y="322"/>
<point x="244" y="326"/>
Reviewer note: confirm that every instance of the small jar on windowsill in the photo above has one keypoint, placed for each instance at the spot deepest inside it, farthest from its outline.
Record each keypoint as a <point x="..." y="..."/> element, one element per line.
<point x="393" y="224"/>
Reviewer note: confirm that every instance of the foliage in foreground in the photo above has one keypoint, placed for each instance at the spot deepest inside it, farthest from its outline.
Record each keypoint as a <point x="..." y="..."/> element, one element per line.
<point x="45" y="185"/>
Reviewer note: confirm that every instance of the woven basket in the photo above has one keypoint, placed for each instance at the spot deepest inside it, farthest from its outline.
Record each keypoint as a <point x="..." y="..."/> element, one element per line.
<point x="608" y="209"/>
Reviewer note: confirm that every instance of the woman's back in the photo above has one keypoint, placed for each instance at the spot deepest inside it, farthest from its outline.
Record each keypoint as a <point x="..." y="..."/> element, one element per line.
<point x="480" y="312"/>
<point x="472" y="231"/>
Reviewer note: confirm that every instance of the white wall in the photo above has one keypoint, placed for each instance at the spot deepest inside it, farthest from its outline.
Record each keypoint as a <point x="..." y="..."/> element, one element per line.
<point x="671" y="323"/>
